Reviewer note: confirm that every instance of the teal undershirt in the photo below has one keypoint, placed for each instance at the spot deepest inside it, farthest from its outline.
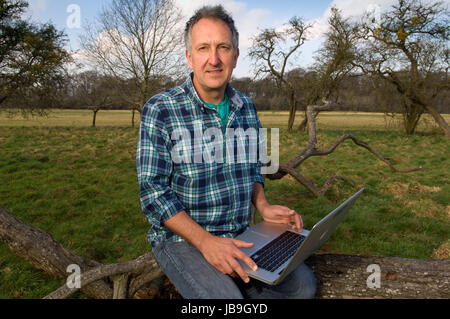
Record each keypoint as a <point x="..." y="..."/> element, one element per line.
<point x="223" y="109"/>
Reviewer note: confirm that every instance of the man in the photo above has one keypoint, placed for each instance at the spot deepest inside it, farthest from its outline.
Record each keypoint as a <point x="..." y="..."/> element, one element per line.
<point x="197" y="207"/>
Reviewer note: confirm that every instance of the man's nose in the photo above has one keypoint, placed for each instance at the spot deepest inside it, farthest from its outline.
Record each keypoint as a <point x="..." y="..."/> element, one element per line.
<point x="214" y="58"/>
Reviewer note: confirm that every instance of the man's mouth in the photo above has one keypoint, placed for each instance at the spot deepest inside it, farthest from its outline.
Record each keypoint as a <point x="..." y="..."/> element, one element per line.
<point x="214" y="72"/>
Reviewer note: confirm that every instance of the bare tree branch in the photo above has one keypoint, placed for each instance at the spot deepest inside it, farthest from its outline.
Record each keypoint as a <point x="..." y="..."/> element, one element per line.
<point x="143" y="264"/>
<point x="311" y="150"/>
<point x="271" y="57"/>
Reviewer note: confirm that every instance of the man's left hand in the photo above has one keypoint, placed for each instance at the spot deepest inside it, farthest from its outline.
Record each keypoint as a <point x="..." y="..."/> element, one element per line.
<point x="282" y="215"/>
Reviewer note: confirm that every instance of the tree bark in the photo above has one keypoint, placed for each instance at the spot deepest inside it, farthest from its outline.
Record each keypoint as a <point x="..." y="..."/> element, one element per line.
<point x="303" y="124"/>
<point x="120" y="286"/>
<point x="292" y="110"/>
<point x="94" y="117"/>
<point x="347" y="276"/>
<point x="439" y="120"/>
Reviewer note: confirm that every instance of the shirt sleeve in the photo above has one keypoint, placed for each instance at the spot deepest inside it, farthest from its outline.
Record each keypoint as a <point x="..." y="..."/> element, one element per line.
<point x="154" y="168"/>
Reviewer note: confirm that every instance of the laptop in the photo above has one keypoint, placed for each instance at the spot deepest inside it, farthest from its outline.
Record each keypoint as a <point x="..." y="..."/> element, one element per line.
<point x="278" y="249"/>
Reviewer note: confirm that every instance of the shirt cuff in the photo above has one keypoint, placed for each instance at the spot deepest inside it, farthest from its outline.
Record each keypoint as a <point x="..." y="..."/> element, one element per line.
<point x="258" y="176"/>
<point x="163" y="208"/>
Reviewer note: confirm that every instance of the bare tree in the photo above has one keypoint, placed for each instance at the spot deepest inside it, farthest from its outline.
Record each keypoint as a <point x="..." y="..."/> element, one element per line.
<point x="272" y="51"/>
<point x="333" y="63"/>
<point x="407" y="46"/>
<point x="95" y="91"/>
<point x="137" y="42"/>
<point x="322" y="81"/>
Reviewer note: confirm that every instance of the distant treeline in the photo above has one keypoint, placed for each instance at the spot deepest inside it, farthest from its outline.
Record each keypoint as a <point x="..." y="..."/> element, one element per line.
<point x="357" y="93"/>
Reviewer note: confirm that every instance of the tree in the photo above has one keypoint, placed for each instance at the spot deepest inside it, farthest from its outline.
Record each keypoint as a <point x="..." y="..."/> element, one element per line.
<point x="138" y="42"/>
<point x="95" y="91"/>
<point x="32" y="57"/>
<point x="271" y="52"/>
<point x="322" y="81"/>
<point x="333" y="60"/>
<point x="408" y="47"/>
<point x="332" y="65"/>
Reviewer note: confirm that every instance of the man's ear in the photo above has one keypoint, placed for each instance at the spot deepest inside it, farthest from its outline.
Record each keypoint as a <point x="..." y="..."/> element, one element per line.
<point x="236" y="56"/>
<point x="189" y="59"/>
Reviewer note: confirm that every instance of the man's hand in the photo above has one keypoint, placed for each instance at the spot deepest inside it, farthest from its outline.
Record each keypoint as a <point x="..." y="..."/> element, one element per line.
<point x="219" y="252"/>
<point x="282" y="215"/>
<point x="222" y="253"/>
<point x="274" y="213"/>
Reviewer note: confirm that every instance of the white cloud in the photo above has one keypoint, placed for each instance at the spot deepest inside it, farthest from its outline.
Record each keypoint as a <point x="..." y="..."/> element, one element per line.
<point x="357" y="7"/>
<point x="80" y="63"/>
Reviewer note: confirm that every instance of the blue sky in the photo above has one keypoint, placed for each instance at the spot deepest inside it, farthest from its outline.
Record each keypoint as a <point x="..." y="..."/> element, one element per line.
<point x="250" y="16"/>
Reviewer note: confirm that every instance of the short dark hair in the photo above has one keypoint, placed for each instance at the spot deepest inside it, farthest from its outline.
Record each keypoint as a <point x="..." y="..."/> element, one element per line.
<point x="211" y="12"/>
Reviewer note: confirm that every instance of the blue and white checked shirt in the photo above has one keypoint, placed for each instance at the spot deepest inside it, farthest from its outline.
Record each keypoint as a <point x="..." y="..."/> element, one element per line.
<point x="173" y="175"/>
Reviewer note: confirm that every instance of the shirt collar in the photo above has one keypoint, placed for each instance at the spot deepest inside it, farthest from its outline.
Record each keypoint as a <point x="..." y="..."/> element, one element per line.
<point x="235" y="100"/>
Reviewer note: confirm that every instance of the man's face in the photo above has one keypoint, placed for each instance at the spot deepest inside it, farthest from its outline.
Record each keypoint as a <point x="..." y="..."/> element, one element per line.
<point x="212" y="56"/>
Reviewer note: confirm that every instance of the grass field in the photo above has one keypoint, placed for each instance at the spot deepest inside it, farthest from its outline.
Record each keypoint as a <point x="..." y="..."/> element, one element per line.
<point x="326" y="120"/>
<point x="79" y="184"/>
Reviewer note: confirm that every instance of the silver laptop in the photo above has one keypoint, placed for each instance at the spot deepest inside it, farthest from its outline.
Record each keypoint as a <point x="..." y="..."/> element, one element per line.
<point x="278" y="249"/>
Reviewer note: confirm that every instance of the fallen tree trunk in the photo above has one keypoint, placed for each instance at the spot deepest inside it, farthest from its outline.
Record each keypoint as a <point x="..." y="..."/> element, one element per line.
<point x="45" y="253"/>
<point x="350" y="276"/>
<point x="338" y="276"/>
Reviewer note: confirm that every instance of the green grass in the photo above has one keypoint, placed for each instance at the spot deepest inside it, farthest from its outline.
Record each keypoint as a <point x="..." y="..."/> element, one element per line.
<point x="79" y="184"/>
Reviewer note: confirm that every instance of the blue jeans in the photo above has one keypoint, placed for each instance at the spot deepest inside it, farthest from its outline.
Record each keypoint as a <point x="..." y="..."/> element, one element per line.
<point x="195" y="278"/>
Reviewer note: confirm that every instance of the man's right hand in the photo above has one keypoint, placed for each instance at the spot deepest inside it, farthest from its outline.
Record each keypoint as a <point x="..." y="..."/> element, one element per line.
<point x="222" y="253"/>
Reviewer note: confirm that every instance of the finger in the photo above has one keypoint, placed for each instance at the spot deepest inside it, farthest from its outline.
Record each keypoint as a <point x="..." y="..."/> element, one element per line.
<point x="296" y="219"/>
<point x="298" y="222"/>
<point x="284" y="213"/>
<point x="289" y="213"/>
<point x="226" y="269"/>
<point x="246" y="259"/>
<point x="238" y="269"/>
<point x="242" y="244"/>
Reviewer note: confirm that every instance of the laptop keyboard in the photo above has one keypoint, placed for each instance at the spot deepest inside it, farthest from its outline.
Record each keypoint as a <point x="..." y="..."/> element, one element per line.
<point x="275" y="253"/>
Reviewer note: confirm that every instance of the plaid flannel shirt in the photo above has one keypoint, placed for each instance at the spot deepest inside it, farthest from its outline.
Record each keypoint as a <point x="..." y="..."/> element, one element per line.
<point x="217" y="195"/>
